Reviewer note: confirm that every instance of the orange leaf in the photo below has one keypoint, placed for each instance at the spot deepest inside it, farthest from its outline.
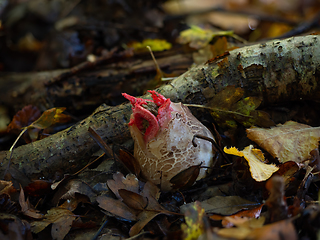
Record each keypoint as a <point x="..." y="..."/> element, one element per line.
<point x="245" y="214"/>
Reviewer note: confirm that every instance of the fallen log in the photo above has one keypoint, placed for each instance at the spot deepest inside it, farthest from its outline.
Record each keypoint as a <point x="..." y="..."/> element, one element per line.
<point x="276" y="71"/>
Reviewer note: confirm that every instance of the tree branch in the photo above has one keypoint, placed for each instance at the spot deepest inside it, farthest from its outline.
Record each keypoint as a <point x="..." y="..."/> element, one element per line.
<point x="277" y="71"/>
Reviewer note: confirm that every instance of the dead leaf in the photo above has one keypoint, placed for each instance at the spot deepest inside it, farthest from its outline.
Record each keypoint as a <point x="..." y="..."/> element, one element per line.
<point x="61" y="227"/>
<point x="144" y="218"/>
<point x="29" y="43"/>
<point x="50" y="117"/>
<point x="243" y="229"/>
<point x="61" y="220"/>
<point x="245" y="214"/>
<point x="7" y="187"/>
<point x="277" y="206"/>
<point x="225" y="205"/>
<point x="141" y="206"/>
<point x="287" y="170"/>
<point x="130" y="183"/>
<point x="156" y="45"/>
<point x="291" y="141"/>
<point x="7" y="205"/>
<point x="260" y="171"/>
<point x="195" y="219"/>
<point x="24" y="118"/>
<point x="13" y="228"/>
<point x="133" y="200"/>
<point x="77" y="186"/>
<point x="185" y="178"/>
<point x="130" y="162"/>
<point x="38" y="188"/>
<point x="219" y="47"/>
<point x="72" y="204"/>
<point x="117" y="208"/>
<point x="198" y="37"/>
<point x="229" y="107"/>
<point x="275" y="231"/>
<point x="26" y="208"/>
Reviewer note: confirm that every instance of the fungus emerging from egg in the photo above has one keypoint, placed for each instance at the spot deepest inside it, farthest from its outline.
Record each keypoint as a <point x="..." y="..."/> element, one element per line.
<point x="162" y="132"/>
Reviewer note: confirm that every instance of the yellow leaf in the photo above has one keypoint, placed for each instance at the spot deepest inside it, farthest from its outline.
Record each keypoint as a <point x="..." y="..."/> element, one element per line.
<point x="198" y="37"/>
<point x="259" y="170"/>
<point x="194" y="226"/>
<point x="291" y="141"/>
<point x="156" y="45"/>
<point x="50" y="117"/>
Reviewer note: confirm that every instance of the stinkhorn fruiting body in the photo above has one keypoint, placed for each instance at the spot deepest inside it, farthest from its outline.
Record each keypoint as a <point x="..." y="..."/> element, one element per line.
<point x="163" y="132"/>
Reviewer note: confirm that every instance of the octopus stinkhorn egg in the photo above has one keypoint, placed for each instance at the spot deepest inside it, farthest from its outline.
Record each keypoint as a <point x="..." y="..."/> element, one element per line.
<point x="162" y="132"/>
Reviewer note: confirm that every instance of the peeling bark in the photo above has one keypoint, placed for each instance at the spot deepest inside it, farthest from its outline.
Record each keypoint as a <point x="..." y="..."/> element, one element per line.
<point x="277" y="71"/>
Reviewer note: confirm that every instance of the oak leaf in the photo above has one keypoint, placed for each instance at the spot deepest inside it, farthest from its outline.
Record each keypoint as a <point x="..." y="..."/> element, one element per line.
<point x="260" y="171"/>
<point x="291" y="141"/>
<point x="132" y="203"/>
<point x="61" y="220"/>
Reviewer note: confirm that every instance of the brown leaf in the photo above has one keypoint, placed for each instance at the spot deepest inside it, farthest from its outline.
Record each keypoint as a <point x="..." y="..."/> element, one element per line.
<point x="73" y="203"/>
<point x="144" y="218"/>
<point x="60" y="218"/>
<point x="77" y="186"/>
<point x="275" y="231"/>
<point x="133" y="200"/>
<point x="243" y="229"/>
<point x="277" y="206"/>
<point x="225" y="205"/>
<point x="117" y="208"/>
<point x="152" y="193"/>
<point x="185" y="178"/>
<point x="38" y="188"/>
<point x="61" y="227"/>
<point x="130" y="183"/>
<point x="130" y="162"/>
<point x="291" y="141"/>
<point x="13" y="228"/>
<point x="7" y="205"/>
<point x="6" y="187"/>
<point x="287" y="170"/>
<point x="26" y="207"/>
<point x="24" y="118"/>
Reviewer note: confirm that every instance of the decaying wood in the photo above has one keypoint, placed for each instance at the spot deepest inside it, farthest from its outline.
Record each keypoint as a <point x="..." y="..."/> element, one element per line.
<point x="277" y="71"/>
